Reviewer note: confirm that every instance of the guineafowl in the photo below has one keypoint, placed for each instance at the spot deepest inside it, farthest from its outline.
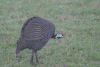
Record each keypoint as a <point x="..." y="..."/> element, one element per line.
<point x="35" y="33"/>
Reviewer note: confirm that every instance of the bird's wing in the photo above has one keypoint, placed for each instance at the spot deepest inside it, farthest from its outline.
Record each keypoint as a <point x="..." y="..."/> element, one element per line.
<point x="31" y="30"/>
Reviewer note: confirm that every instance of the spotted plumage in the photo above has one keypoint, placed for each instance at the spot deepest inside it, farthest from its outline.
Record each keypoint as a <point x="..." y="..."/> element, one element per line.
<point x="35" y="33"/>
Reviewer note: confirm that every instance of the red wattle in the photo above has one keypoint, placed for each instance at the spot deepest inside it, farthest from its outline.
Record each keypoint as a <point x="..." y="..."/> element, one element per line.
<point x="64" y="36"/>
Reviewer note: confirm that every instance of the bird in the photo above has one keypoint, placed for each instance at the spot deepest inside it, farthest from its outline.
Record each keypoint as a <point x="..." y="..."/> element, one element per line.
<point x="35" y="34"/>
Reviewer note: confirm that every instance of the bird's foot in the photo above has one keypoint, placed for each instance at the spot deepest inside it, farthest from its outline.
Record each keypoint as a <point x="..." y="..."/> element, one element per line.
<point x="37" y="61"/>
<point x="31" y="62"/>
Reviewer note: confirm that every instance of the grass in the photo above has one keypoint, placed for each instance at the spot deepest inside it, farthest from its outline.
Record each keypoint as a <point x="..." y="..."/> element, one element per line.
<point x="80" y="20"/>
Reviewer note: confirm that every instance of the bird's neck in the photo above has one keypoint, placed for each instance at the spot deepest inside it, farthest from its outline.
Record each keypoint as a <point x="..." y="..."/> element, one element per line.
<point x="55" y="36"/>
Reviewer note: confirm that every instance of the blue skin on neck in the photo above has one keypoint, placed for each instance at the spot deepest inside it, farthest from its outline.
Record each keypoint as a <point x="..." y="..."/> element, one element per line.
<point x="58" y="35"/>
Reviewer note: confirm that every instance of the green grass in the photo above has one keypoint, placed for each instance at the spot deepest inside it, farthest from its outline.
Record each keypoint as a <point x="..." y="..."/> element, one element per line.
<point x="80" y="20"/>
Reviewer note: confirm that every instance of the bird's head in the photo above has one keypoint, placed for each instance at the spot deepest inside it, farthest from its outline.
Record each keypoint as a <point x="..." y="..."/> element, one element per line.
<point x="60" y="35"/>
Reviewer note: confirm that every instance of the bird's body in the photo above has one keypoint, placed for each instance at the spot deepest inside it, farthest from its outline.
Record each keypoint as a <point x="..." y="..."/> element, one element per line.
<point x="35" y="33"/>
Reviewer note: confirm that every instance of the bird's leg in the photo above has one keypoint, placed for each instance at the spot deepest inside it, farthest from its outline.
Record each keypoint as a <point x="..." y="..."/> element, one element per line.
<point x="31" y="61"/>
<point x="36" y="56"/>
